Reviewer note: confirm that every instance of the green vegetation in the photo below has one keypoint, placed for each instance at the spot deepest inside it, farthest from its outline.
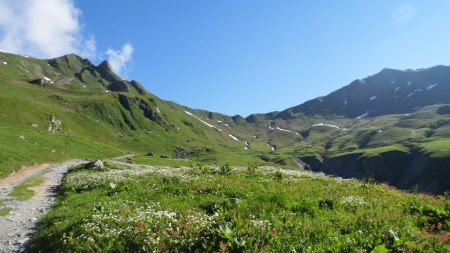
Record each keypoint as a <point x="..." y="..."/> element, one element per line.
<point x="207" y="182"/>
<point x="24" y="191"/>
<point x="70" y="119"/>
<point x="77" y="115"/>
<point x="438" y="148"/>
<point x="136" y="208"/>
<point x="4" y="211"/>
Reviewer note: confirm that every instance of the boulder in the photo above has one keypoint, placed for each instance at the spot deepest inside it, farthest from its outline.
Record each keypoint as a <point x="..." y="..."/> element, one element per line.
<point x="97" y="164"/>
<point x="235" y="200"/>
<point x="181" y="153"/>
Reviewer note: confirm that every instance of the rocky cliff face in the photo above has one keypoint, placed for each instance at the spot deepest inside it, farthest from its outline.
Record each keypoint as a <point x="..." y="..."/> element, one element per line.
<point x="409" y="171"/>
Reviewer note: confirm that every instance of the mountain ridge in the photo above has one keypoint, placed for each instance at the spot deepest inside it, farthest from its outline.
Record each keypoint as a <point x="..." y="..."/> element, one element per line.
<point x="361" y="90"/>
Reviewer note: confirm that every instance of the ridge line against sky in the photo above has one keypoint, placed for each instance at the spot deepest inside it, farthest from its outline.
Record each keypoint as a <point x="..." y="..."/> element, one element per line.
<point x="234" y="57"/>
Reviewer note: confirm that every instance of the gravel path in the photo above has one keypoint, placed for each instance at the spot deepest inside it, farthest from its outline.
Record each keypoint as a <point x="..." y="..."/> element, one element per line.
<point x="17" y="227"/>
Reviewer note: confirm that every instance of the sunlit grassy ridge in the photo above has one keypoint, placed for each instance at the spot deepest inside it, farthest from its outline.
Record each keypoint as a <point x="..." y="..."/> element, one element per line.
<point x="140" y="208"/>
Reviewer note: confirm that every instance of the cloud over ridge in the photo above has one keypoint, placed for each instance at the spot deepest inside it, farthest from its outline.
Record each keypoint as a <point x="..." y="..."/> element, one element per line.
<point x="119" y="58"/>
<point x="43" y="28"/>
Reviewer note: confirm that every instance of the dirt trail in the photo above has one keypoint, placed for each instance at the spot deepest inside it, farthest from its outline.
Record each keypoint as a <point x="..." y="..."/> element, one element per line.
<point x="17" y="227"/>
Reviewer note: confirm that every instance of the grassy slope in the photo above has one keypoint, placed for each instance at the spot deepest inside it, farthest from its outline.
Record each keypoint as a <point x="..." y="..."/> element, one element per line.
<point x="204" y="210"/>
<point x="94" y="123"/>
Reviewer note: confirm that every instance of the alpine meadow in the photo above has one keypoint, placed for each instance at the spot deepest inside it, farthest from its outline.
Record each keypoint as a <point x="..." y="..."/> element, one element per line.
<point x="93" y="162"/>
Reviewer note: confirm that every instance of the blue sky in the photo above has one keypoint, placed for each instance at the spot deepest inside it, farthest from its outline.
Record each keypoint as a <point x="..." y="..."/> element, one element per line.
<point x="242" y="57"/>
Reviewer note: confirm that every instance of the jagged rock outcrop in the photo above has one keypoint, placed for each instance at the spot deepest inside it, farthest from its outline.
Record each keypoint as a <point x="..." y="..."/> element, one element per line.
<point x="134" y="103"/>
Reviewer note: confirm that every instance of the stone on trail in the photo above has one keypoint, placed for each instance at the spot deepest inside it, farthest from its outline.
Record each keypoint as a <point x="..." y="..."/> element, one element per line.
<point x="97" y="164"/>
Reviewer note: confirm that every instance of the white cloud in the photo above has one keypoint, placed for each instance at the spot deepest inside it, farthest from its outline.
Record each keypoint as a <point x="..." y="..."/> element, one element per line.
<point x="43" y="28"/>
<point x="118" y="59"/>
<point x="403" y="14"/>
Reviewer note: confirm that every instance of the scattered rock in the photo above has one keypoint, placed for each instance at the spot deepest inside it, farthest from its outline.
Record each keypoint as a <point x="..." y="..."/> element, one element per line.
<point x="42" y="81"/>
<point x="129" y="160"/>
<point x="18" y="227"/>
<point x="150" y="153"/>
<point x="97" y="164"/>
<point x="34" y="125"/>
<point x="181" y="153"/>
<point x="55" y="124"/>
<point x="235" y="200"/>
<point x="22" y="138"/>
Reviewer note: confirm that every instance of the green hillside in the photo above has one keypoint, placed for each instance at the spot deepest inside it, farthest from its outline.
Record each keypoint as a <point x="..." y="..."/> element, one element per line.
<point x="52" y="110"/>
<point x="199" y="181"/>
<point x="70" y="117"/>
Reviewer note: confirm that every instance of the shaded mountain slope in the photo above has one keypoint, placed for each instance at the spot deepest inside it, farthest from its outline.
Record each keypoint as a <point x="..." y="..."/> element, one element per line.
<point x="387" y="92"/>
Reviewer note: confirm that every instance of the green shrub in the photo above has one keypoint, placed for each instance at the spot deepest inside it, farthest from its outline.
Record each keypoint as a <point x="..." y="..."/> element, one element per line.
<point x="225" y="169"/>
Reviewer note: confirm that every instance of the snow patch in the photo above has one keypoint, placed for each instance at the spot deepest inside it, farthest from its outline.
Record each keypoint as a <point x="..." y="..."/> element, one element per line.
<point x="410" y="95"/>
<point x="204" y="122"/>
<point x="372" y="98"/>
<point x="5" y="63"/>
<point x="431" y="86"/>
<point x="409" y="83"/>
<point x="271" y="147"/>
<point x="393" y="82"/>
<point x="363" y="115"/>
<point x="329" y="125"/>
<point x="233" y="137"/>
<point x="48" y="79"/>
<point x="345" y="102"/>
<point x="282" y="129"/>
<point x="396" y="89"/>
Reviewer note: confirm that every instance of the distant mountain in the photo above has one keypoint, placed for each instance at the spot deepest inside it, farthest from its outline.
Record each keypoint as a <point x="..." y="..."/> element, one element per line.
<point x="388" y="92"/>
